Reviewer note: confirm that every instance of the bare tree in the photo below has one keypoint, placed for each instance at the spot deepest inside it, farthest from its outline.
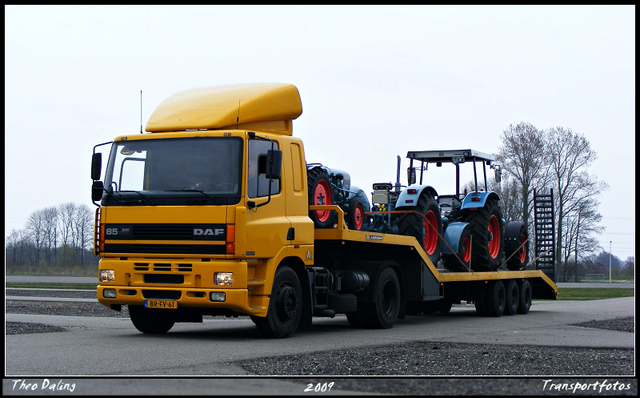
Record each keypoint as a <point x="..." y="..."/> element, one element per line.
<point x="568" y="154"/>
<point x="36" y="228"/>
<point x="50" y="224"/>
<point x="521" y="157"/>
<point x="83" y="230"/>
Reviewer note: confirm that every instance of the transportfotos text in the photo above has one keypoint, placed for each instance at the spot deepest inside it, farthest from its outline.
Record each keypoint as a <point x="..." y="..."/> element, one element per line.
<point x="596" y="386"/>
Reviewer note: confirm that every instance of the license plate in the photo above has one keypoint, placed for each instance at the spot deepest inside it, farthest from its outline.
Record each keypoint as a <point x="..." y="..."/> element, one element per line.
<point x="166" y="304"/>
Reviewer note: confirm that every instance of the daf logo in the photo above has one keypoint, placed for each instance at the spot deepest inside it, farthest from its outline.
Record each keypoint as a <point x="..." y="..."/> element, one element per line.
<point x="208" y="232"/>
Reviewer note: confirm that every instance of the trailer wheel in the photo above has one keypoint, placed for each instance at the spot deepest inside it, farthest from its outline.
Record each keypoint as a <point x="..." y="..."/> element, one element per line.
<point x="427" y="229"/>
<point x="513" y="298"/>
<point x="525" y="297"/>
<point x="480" y="299"/>
<point x="487" y="232"/>
<point x="382" y="314"/>
<point x="460" y="263"/>
<point x="285" y="306"/>
<point x="496" y="298"/>
<point x="356" y="219"/>
<point x="516" y="245"/>
<point x="152" y="321"/>
<point x="320" y="193"/>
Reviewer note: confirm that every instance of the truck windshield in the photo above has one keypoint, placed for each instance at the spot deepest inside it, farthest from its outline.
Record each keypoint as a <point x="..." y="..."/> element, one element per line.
<point x="177" y="171"/>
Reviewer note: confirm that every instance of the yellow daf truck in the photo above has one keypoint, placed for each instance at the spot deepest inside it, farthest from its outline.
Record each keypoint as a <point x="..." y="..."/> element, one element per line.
<point x="214" y="211"/>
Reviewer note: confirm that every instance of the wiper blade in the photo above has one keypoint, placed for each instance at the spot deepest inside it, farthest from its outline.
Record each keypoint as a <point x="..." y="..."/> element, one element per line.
<point x="145" y="197"/>
<point x="215" y="200"/>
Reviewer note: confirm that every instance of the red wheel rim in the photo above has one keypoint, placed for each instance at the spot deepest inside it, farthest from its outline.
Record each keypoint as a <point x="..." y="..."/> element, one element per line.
<point x="466" y="250"/>
<point x="523" y="249"/>
<point x="322" y="196"/>
<point x="358" y="217"/>
<point x="494" y="233"/>
<point x="430" y="235"/>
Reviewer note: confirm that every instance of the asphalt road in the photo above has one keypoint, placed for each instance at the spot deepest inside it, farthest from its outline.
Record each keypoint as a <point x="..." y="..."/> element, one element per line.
<point x="97" y="348"/>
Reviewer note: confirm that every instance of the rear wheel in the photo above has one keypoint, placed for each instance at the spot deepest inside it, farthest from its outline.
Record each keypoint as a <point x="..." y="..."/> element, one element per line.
<point x="426" y="226"/>
<point x="382" y="314"/>
<point x="320" y="193"/>
<point x="285" y="306"/>
<point x="525" y="297"/>
<point x="513" y="298"/>
<point x="152" y="321"/>
<point x="486" y="230"/>
<point x="496" y="298"/>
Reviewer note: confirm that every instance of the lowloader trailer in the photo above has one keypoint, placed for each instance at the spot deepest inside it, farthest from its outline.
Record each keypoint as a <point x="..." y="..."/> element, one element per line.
<point x="214" y="211"/>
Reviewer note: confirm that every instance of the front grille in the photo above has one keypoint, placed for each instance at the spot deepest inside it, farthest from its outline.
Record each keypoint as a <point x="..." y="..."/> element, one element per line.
<point x="163" y="232"/>
<point x="161" y="294"/>
<point x="163" y="267"/>
<point x="164" y="278"/>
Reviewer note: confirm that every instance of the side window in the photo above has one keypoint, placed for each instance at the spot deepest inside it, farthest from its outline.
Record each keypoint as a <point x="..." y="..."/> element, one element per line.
<point x="257" y="183"/>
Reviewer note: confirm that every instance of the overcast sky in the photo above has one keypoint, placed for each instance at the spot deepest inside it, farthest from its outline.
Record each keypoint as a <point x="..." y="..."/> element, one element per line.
<point x="375" y="82"/>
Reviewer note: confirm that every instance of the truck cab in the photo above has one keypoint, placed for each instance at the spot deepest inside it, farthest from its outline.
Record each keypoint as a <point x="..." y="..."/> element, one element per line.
<point x="195" y="216"/>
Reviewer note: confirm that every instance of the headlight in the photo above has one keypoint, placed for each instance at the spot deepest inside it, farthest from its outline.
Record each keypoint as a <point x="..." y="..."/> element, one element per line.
<point x="109" y="293"/>
<point x="223" y="278"/>
<point x="107" y="275"/>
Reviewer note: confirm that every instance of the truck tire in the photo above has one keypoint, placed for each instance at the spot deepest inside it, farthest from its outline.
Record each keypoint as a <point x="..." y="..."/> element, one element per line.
<point x="480" y="300"/>
<point x="486" y="236"/>
<point x="516" y="245"/>
<point x="525" y="297"/>
<point x="285" y="306"/>
<point x="320" y="193"/>
<point x="152" y="321"/>
<point x="513" y="298"/>
<point x="496" y="298"/>
<point x="422" y="227"/>
<point x="460" y="263"/>
<point x="383" y="312"/>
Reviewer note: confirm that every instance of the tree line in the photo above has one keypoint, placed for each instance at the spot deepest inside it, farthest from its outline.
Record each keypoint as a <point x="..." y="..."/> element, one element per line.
<point x="59" y="236"/>
<point x="557" y="158"/>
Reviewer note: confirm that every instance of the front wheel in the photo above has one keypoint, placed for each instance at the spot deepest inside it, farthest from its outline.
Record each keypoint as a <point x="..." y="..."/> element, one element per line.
<point x="486" y="231"/>
<point x="152" y="321"/>
<point x="285" y="306"/>
<point x="459" y="262"/>
<point x="426" y="227"/>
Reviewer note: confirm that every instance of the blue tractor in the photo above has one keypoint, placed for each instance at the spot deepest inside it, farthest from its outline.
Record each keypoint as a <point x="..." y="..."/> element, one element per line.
<point x="465" y="231"/>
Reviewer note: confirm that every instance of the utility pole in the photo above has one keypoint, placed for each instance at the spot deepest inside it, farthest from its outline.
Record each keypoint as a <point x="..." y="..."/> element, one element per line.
<point x="609" y="261"/>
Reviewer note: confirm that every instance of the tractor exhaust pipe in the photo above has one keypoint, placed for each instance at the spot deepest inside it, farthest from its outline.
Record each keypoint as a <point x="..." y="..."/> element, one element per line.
<point x="398" y="186"/>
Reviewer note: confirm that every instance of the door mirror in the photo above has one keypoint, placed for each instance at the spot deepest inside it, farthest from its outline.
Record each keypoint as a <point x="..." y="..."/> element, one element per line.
<point x="96" y="190"/>
<point x="96" y="166"/>
<point x="274" y="164"/>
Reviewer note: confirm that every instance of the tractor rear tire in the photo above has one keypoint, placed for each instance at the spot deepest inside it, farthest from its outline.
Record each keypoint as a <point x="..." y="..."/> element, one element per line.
<point x="487" y="233"/>
<point x="427" y="229"/>
<point x="321" y="193"/>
